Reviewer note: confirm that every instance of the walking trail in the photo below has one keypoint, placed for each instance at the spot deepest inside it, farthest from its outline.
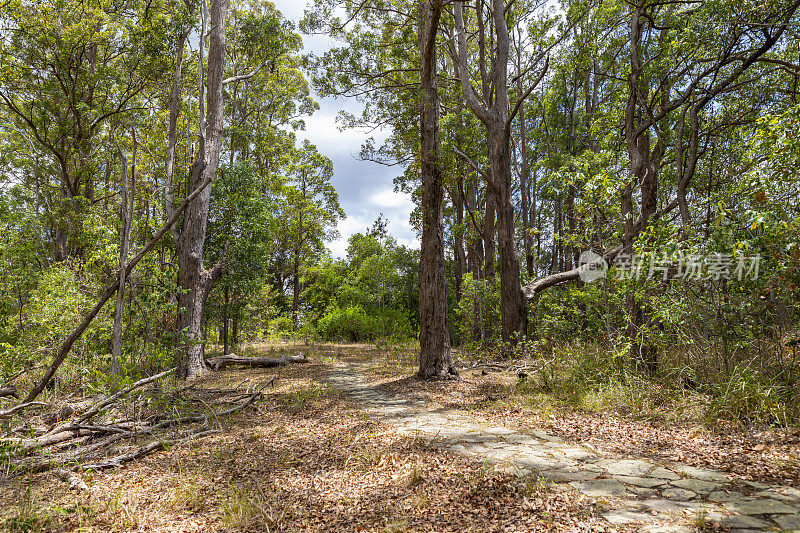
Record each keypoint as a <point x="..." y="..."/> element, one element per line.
<point x="655" y="497"/>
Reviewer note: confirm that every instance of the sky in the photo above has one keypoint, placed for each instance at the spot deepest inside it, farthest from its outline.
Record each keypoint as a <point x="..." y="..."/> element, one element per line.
<point x="365" y="188"/>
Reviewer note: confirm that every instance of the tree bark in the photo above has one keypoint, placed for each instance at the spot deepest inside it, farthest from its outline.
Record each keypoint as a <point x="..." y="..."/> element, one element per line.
<point x="435" y="361"/>
<point x="495" y="116"/>
<point x="126" y="212"/>
<point x="195" y="281"/>
<point x="224" y="334"/>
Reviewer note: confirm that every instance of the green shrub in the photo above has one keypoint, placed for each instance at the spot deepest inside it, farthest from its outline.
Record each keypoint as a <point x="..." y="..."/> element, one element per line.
<point x="351" y="323"/>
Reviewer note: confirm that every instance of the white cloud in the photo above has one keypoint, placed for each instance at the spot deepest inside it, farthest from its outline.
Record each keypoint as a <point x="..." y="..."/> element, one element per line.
<point x="392" y="199"/>
<point x="365" y="188"/>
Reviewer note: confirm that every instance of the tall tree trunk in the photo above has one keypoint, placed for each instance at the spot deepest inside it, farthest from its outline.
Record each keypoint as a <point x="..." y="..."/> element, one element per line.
<point x="235" y="330"/>
<point x="458" y="241"/>
<point x="495" y="116"/>
<point x="435" y="360"/>
<point x="125" y="233"/>
<point x="489" y="266"/>
<point x="195" y="281"/>
<point x="224" y="333"/>
<point x="296" y="289"/>
<point x="513" y="306"/>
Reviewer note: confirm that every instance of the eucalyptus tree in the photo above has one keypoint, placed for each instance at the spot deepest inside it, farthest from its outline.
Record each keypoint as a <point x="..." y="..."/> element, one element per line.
<point x="311" y="213"/>
<point x="435" y="359"/>
<point x="71" y="71"/>
<point x="497" y="115"/>
<point x="399" y="87"/>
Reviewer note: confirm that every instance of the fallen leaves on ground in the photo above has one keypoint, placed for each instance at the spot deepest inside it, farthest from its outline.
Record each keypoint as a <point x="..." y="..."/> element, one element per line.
<point x="305" y="459"/>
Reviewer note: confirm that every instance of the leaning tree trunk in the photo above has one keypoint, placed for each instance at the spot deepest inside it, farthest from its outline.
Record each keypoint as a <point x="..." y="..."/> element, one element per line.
<point x="435" y="359"/>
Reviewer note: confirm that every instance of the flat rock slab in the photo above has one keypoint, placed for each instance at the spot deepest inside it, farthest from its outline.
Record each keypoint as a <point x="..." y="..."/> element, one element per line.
<point x="666" y="529"/>
<point x="560" y="475"/>
<point x="663" y="473"/>
<point x="600" y="488"/>
<point x="737" y="521"/>
<point x="644" y="482"/>
<point x="679" y="494"/>
<point x="696" y="485"/>
<point x="704" y="474"/>
<point x="536" y="462"/>
<point x="625" y="467"/>
<point x="726" y="496"/>
<point x="579" y="454"/>
<point x="623" y="516"/>
<point x="660" y="499"/>
<point x="660" y="505"/>
<point x="762" y="506"/>
<point x="788" y="522"/>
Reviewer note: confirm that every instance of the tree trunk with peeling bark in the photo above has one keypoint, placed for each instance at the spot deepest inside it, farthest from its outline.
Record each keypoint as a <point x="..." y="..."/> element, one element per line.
<point x="435" y="361"/>
<point x="194" y="280"/>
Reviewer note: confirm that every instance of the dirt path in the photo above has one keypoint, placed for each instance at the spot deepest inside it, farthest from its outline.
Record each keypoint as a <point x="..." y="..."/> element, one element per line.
<point x="654" y="497"/>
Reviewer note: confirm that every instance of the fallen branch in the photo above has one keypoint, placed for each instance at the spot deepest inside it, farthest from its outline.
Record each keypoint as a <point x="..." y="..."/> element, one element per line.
<point x="119" y="460"/>
<point x="11" y="390"/>
<point x="218" y="363"/>
<point x="18" y="408"/>
<point x="114" y="397"/>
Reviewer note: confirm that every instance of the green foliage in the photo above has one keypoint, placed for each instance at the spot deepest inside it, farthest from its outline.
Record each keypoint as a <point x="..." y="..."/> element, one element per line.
<point x="351" y="324"/>
<point x="478" y="311"/>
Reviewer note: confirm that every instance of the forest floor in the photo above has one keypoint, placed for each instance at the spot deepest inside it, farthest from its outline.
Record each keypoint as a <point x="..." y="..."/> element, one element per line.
<point x="348" y="442"/>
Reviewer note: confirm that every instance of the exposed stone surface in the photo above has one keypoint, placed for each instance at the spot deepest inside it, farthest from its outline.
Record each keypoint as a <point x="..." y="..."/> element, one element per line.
<point x="789" y="522"/>
<point x="624" y="516"/>
<point x="662" y="498"/>
<point x="696" y="485"/>
<point x="739" y="521"/>
<point x="663" y="473"/>
<point x="600" y="488"/>
<point x="666" y="529"/>
<point x="725" y="496"/>
<point x="625" y="467"/>
<point x="702" y="473"/>
<point x="761" y="506"/>
<point x="678" y="494"/>
<point x="646" y="482"/>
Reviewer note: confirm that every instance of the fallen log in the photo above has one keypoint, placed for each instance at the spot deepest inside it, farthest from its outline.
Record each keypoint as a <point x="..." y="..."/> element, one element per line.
<point x="11" y="390"/>
<point x="218" y="363"/>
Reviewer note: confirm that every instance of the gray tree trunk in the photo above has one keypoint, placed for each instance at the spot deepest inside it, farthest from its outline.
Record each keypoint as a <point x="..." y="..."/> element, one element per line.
<point x="194" y="280"/>
<point x="435" y="361"/>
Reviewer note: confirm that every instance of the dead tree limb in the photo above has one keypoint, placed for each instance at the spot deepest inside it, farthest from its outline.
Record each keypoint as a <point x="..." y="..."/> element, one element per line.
<point x="218" y="363"/>
<point x="18" y="408"/>
<point x="119" y="460"/>
<point x="531" y="289"/>
<point x="114" y="397"/>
